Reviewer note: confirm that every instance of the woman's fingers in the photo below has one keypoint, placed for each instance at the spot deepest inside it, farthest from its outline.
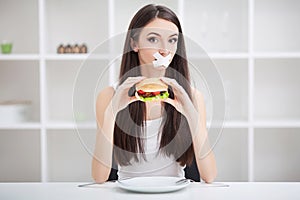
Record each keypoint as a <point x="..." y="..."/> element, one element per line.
<point x="132" y="81"/>
<point x="171" y="82"/>
<point x="169" y="101"/>
<point x="133" y="99"/>
<point x="121" y="98"/>
<point x="178" y="89"/>
<point x="131" y="91"/>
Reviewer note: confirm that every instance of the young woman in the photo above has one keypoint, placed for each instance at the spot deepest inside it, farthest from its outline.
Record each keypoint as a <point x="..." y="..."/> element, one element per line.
<point x="153" y="138"/>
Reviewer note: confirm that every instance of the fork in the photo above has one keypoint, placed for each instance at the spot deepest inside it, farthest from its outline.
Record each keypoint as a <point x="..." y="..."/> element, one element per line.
<point x="184" y="180"/>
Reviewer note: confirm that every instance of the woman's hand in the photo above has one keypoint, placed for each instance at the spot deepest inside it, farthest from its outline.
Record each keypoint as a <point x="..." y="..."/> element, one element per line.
<point x="181" y="101"/>
<point x="121" y="99"/>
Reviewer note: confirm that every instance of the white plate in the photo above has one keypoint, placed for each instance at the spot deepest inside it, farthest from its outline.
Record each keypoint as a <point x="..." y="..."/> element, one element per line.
<point x="155" y="184"/>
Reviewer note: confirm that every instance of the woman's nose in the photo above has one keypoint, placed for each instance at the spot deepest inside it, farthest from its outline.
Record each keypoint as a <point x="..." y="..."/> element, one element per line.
<point x="164" y="52"/>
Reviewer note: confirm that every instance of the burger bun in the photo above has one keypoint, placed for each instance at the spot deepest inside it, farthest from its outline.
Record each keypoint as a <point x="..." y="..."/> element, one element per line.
<point x="151" y="85"/>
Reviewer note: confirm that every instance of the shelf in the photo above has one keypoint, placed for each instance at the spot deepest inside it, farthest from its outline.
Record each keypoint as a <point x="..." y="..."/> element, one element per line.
<point x="220" y="55"/>
<point x="236" y="124"/>
<point x="284" y="123"/>
<point x="19" y="57"/>
<point x="92" y="125"/>
<point x="76" y="57"/>
<point x="20" y="126"/>
<point x="277" y="124"/>
<point x="270" y="55"/>
<point x="215" y="55"/>
<point x="71" y="125"/>
<point x="66" y="57"/>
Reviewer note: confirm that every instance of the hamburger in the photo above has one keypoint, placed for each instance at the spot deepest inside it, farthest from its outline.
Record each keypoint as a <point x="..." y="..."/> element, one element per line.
<point x="151" y="89"/>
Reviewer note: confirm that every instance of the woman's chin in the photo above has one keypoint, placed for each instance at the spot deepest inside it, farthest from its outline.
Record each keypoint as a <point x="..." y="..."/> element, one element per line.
<point x="160" y="68"/>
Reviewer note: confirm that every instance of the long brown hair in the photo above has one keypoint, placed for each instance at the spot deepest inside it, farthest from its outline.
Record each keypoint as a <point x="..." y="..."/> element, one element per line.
<point x="176" y="137"/>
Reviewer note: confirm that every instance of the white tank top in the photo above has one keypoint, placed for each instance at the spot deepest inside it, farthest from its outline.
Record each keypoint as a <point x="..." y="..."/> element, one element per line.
<point x="156" y="164"/>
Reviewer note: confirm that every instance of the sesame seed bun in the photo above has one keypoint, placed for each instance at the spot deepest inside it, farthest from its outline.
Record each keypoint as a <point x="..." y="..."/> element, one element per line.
<point x="151" y="85"/>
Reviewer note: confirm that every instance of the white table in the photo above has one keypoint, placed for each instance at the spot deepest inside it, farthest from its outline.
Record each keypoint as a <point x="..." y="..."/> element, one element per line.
<point x="71" y="191"/>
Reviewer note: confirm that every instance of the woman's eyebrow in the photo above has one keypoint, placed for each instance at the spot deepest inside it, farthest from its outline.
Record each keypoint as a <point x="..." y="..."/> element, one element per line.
<point x="173" y="35"/>
<point x="157" y="34"/>
<point x="153" y="33"/>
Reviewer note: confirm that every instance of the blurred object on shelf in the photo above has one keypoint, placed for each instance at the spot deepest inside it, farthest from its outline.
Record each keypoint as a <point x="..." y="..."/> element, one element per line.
<point x="75" y="49"/>
<point x="80" y="117"/>
<point x="83" y="49"/>
<point x="6" y="47"/>
<point x="14" y="111"/>
<point x="68" y="49"/>
<point x="61" y="49"/>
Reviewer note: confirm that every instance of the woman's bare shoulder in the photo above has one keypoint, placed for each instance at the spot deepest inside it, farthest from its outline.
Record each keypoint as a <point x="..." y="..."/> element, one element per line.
<point x="197" y="95"/>
<point x="108" y="91"/>
<point x="105" y="95"/>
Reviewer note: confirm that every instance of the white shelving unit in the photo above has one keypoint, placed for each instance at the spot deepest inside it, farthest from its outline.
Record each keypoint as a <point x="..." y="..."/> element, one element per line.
<point x="254" y="45"/>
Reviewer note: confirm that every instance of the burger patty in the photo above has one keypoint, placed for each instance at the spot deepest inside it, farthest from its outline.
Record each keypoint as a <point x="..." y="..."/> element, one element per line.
<point x="150" y="94"/>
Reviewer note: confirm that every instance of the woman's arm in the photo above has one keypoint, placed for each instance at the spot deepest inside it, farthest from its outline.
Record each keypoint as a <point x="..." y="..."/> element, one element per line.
<point x="194" y="111"/>
<point x="109" y="103"/>
<point x="102" y="159"/>
<point x="205" y="158"/>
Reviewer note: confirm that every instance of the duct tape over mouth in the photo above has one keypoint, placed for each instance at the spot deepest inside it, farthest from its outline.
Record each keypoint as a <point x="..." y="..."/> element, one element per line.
<point x="161" y="60"/>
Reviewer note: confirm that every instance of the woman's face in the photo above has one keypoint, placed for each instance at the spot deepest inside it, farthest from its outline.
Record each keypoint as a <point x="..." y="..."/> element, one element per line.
<point x="158" y="36"/>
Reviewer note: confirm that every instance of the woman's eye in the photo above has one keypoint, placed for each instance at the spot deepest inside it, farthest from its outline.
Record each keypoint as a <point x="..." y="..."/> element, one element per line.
<point x="173" y="40"/>
<point x="153" y="40"/>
